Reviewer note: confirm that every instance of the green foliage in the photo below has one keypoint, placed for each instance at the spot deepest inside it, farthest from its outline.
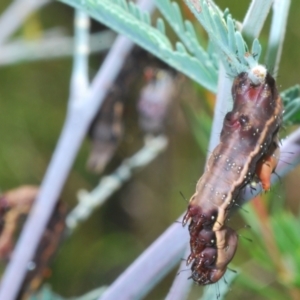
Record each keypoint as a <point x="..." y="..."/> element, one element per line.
<point x="45" y="293"/>
<point x="186" y="32"/>
<point x="129" y="20"/>
<point x="291" y="102"/>
<point x="259" y="287"/>
<point x="286" y="233"/>
<point x="223" y="34"/>
<point x="189" y="57"/>
<point x="223" y="288"/>
<point x="279" y="234"/>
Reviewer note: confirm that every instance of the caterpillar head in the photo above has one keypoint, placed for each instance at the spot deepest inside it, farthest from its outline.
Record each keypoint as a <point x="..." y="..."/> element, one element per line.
<point x="211" y="264"/>
<point x="254" y="99"/>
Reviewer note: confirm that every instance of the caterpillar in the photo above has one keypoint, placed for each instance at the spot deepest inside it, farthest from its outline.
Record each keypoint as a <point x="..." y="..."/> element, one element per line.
<point x="106" y="130"/>
<point x="247" y="148"/>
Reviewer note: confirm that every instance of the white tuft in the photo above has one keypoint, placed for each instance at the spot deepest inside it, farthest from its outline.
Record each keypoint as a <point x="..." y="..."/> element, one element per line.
<point x="257" y="74"/>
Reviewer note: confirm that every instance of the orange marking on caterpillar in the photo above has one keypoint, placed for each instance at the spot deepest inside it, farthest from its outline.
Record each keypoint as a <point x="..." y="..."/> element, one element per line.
<point x="266" y="166"/>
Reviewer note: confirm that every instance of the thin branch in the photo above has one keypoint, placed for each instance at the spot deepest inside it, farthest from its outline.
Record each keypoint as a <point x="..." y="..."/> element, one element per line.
<point x="181" y="285"/>
<point x="151" y="266"/>
<point x="80" y="114"/>
<point x="79" y="79"/>
<point x="223" y="105"/>
<point x="277" y="34"/>
<point x="12" y="18"/>
<point x="56" y="174"/>
<point x="255" y="18"/>
<point x="88" y="201"/>
<point x="51" y="47"/>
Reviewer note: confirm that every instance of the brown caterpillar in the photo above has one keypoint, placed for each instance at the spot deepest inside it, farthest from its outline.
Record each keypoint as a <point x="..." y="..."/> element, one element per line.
<point x="247" y="145"/>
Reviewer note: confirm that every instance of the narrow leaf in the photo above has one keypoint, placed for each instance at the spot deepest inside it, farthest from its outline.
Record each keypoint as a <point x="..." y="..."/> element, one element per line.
<point x="132" y="23"/>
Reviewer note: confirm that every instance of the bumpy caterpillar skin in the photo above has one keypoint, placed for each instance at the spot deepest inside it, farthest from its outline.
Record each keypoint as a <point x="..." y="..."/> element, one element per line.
<point x="248" y="140"/>
<point x="211" y="264"/>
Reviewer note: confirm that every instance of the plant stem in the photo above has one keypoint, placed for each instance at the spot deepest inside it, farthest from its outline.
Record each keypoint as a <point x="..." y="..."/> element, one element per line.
<point x="255" y="18"/>
<point x="83" y="106"/>
<point x="50" y="47"/>
<point x="277" y="34"/>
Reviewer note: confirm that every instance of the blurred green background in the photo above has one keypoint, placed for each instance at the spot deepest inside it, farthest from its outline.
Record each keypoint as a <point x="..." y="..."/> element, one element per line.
<point x="33" y="101"/>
